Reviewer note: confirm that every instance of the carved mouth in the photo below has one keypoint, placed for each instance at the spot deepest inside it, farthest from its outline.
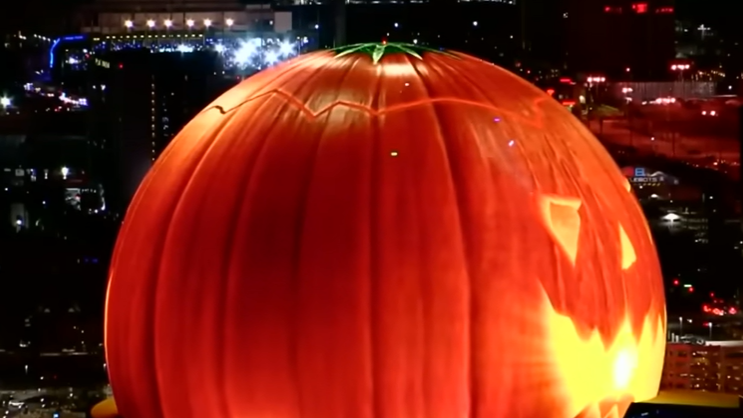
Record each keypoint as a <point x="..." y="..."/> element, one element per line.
<point x="595" y="375"/>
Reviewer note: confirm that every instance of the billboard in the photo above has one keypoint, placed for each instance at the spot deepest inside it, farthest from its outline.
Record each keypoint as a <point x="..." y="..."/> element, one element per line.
<point x="642" y="176"/>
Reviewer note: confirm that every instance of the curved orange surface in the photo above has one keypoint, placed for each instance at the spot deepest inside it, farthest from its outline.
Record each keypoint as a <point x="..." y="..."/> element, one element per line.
<point x="418" y="238"/>
<point x="105" y="409"/>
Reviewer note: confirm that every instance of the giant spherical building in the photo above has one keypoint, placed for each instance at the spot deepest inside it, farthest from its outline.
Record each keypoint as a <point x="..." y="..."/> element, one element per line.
<point x="384" y="231"/>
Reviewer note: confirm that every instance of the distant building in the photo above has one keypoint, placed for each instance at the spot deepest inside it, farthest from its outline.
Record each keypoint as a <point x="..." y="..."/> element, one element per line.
<point x="490" y="29"/>
<point x="621" y="39"/>
<point x="47" y="166"/>
<point x="144" y="69"/>
<point x="716" y="366"/>
<point x="147" y="99"/>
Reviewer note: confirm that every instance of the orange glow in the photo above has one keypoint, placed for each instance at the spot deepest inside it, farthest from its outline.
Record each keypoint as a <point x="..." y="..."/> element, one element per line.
<point x="105" y="409"/>
<point x="534" y="119"/>
<point x="337" y="239"/>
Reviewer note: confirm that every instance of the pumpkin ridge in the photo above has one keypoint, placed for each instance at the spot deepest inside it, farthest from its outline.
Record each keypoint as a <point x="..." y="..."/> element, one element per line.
<point x="314" y="114"/>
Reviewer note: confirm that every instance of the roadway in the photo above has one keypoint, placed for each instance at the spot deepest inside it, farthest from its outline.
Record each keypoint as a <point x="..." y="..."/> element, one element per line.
<point x="721" y="153"/>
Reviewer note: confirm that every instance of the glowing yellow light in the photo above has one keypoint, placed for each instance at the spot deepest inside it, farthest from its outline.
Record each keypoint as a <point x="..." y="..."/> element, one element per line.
<point x="560" y="214"/>
<point x="592" y="371"/>
<point x="624" y="368"/>
<point x="628" y="250"/>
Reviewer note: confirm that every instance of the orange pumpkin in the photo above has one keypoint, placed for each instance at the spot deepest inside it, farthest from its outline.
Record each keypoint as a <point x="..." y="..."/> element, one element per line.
<point x="384" y="231"/>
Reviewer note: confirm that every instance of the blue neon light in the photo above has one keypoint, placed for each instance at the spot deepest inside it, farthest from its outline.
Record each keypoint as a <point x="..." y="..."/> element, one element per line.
<point x="51" y="52"/>
<point x="57" y="41"/>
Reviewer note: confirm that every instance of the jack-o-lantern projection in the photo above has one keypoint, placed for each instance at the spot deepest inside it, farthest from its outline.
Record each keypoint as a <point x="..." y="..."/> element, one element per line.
<point x="384" y="231"/>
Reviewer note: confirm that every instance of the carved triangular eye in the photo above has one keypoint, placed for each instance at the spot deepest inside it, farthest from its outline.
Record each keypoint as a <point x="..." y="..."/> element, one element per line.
<point x="561" y="217"/>
<point x="628" y="250"/>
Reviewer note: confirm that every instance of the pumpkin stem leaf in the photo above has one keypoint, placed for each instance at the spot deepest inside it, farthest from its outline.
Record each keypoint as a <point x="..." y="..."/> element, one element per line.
<point x="377" y="50"/>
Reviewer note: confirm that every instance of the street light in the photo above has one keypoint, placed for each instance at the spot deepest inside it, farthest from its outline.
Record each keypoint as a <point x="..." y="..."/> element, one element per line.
<point x="168" y="23"/>
<point x="681" y="68"/>
<point x="128" y="24"/>
<point x="190" y="23"/>
<point x="150" y="23"/>
<point x="5" y="102"/>
<point x="681" y="326"/>
<point x="229" y="22"/>
<point x="207" y="22"/>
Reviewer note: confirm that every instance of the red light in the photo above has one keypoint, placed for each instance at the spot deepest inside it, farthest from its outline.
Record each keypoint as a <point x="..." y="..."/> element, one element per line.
<point x="705" y="308"/>
<point x="733" y="311"/>
<point x="607" y="9"/>
<point x="640" y="8"/>
<point x="568" y="102"/>
<point x="664" y="10"/>
<point x="121" y="66"/>
<point x="675" y="282"/>
<point x="717" y="312"/>
<point x="384" y="41"/>
<point x="712" y="294"/>
<point x="691" y="290"/>
<point x="566" y="80"/>
<point x="550" y="91"/>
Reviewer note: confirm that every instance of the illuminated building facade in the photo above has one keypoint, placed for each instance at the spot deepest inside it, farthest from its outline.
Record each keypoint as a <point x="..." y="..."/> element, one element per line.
<point x="714" y="367"/>
<point x="489" y="29"/>
<point x="145" y="69"/>
<point x="621" y="39"/>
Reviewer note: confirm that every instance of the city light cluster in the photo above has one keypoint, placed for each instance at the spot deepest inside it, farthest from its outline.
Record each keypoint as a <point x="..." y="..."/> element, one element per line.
<point x="71" y="101"/>
<point x="168" y="23"/>
<point x="261" y="53"/>
<point x="244" y="54"/>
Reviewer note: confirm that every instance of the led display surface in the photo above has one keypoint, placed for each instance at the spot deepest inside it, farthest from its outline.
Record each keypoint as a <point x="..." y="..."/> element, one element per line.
<point x="384" y="231"/>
